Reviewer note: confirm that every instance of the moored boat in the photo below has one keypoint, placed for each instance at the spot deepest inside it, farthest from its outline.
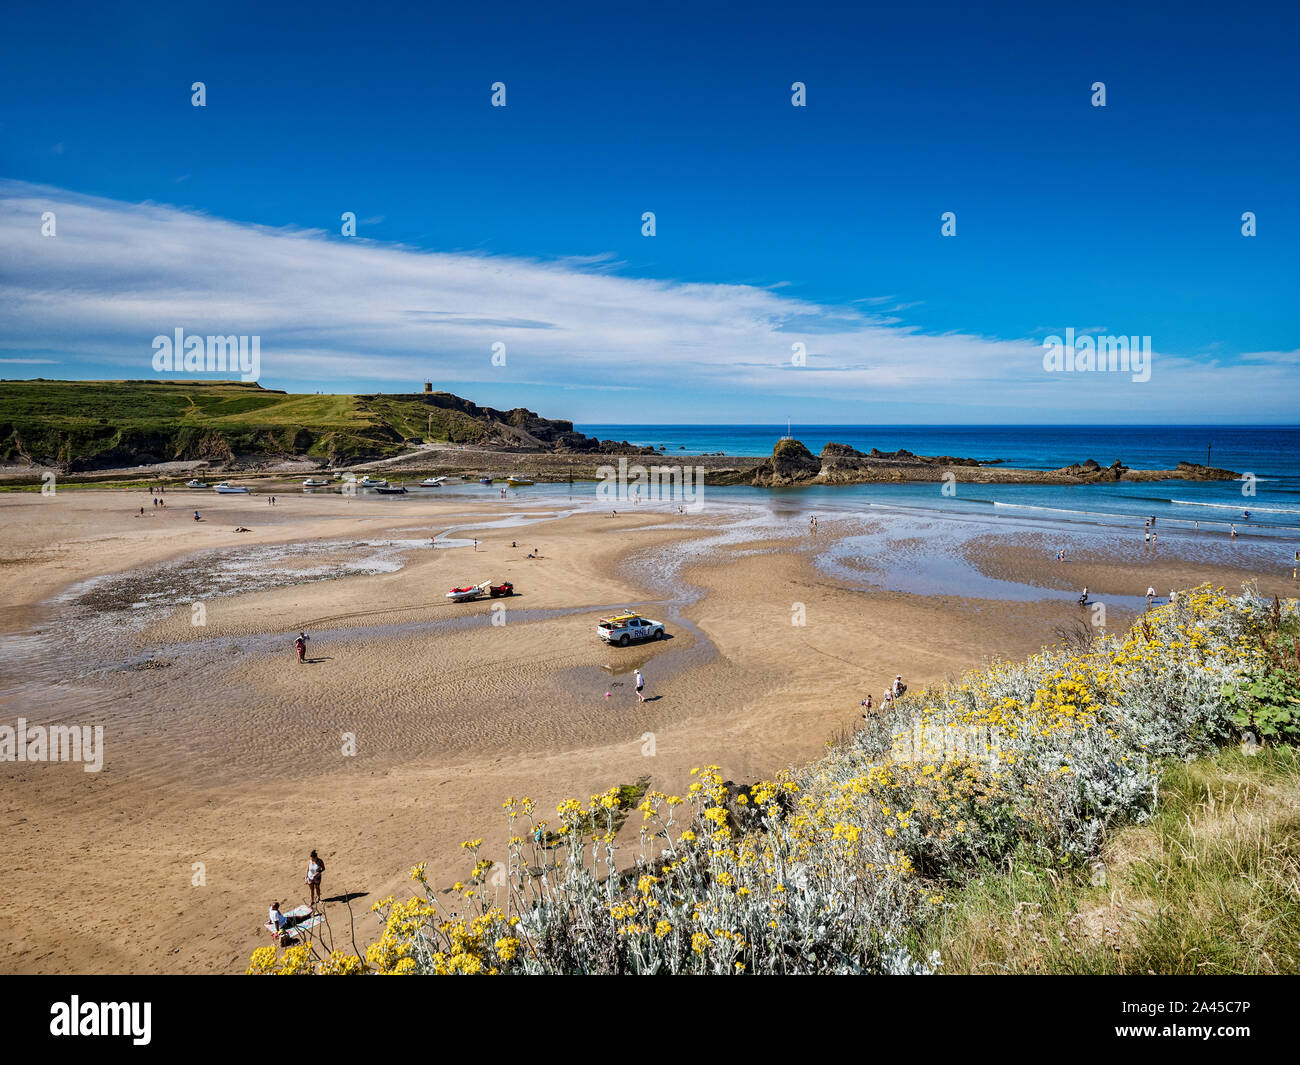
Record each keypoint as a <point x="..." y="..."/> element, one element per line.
<point x="391" y="490"/>
<point x="226" y="489"/>
<point x="431" y="482"/>
<point x="485" y="480"/>
<point x="196" y="483"/>
<point x="518" y="480"/>
<point x="372" y="482"/>
<point x="316" y="482"/>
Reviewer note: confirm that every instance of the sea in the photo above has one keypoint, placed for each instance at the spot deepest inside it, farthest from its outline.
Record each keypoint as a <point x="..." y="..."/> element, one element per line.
<point x="1266" y="501"/>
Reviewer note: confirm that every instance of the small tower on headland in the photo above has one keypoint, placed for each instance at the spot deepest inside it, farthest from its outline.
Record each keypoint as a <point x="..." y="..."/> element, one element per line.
<point x="428" y="386"/>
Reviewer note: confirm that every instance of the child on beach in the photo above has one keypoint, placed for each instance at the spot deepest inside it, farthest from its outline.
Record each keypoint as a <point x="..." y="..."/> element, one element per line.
<point x="640" y="686"/>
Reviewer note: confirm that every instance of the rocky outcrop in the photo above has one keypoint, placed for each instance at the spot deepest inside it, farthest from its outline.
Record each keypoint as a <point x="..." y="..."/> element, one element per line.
<point x="793" y="464"/>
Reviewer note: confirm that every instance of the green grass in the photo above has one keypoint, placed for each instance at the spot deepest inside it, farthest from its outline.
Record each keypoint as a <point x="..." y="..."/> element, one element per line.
<point x="1211" y="884"/>
<point x="84" y="424"/>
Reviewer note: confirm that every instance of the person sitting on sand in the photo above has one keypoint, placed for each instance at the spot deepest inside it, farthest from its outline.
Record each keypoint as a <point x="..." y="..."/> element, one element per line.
<point x="240" y="528"/>
<point x="196" y="516"/>
<point x="278" y="920"/>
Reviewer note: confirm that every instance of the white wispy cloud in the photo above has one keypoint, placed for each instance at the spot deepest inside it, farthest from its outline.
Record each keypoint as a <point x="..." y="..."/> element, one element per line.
<point x="330" y="309"/>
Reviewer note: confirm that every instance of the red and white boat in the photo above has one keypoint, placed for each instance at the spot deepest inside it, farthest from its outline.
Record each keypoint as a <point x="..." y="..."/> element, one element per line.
<point x="464" y="595"/>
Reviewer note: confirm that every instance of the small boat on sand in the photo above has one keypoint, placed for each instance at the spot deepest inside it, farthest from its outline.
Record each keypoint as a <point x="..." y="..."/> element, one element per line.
<point x="372" y="482"/>
<point x="316" y="482"/>
<point x="485" y="480"/>
<point x="518" y="480"/>
<point x="226" y="489"/>
<point x="464" y="595"/>
<point x="391" y="490"/>
<point x="196" y="483"/>
<point x="431" y="482"/>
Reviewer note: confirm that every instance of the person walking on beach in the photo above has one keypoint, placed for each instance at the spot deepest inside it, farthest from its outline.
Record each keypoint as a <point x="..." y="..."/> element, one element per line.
<point x="866" y="707"/>
<point x="640" y="686"/>
<point x="1083" y="599"/>
<point x="1233" y="535"/>
<point x="300" y="645"/>
<point x="315" y="870"/>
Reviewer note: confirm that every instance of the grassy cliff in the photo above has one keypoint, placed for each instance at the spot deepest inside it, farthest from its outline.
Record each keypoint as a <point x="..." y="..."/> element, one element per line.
<point x="83" y="425"/>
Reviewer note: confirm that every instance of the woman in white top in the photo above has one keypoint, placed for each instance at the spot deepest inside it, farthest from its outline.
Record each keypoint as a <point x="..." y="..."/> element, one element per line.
<point x="315" y="867"/>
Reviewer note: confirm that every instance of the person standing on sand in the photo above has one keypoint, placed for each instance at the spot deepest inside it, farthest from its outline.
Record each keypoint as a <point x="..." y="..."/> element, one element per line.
<point x="1233" y="535"/>
<point x="866" y="707"/>
<point x="1151" y="594"/>
<point x="315" y="870"/>
<point x="640" y="686"/>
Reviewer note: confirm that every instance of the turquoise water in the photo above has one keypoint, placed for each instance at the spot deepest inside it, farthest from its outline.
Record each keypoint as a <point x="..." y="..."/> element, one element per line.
<point x="1271" y="453"/>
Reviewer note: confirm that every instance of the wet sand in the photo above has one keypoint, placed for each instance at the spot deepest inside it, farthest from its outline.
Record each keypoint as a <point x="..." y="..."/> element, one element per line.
<point x="226" y="761"/>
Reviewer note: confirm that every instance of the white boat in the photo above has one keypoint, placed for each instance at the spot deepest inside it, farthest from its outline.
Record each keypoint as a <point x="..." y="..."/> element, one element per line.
<point x="518" y="480"/>
<point x="431" y="482"/>
<point x="196" y="483"/>
<point x="316" y="482"/>
<point x="370" y="482"/>
<point x="230" y="490"/>
<point x="463" y="595"/>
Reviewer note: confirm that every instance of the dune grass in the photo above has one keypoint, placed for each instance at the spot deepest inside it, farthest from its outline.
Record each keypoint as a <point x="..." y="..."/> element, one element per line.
<point x="1209" y="885"/>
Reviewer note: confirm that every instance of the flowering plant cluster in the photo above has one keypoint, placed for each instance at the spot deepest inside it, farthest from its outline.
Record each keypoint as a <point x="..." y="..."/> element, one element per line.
<point x="831" y="868"/>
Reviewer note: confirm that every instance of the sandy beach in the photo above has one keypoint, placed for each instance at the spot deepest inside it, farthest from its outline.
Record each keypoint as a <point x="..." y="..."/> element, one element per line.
<point x="226" y="761"/>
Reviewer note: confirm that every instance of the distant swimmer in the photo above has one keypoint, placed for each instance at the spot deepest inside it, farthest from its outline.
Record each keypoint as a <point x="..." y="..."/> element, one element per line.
<point x="1246" y="514"/>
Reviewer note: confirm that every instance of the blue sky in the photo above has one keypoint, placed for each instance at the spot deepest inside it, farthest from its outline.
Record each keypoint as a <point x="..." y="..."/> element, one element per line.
<point x="775" y="224"/>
